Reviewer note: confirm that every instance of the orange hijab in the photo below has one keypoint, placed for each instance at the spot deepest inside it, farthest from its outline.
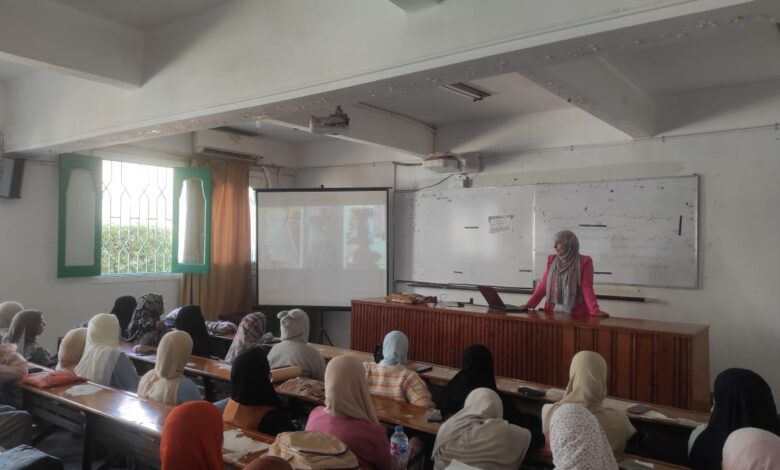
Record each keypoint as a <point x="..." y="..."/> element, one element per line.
<point x="192" y="438"/>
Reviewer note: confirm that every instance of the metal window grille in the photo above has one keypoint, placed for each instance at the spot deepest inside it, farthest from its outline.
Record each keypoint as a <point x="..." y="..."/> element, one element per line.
<point x="137" y="218"/>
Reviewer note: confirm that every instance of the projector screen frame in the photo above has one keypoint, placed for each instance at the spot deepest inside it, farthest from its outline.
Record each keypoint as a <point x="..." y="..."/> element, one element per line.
<point x="388" y="243"/>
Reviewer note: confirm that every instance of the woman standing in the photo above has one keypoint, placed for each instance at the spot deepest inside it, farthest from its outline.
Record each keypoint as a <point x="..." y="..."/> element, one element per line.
<point x="568" y="280"/>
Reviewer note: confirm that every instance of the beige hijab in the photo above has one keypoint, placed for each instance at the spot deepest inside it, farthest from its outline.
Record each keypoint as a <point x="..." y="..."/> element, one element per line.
<point x="346" y="390"/>
<point x="162" y="383"/>
<point x="588" y="387"/>
<point x="7" y="312"/>
<point x="478" y="436"/>
<point x="71" y="349"/>
<point x="751" y="449"/>
<point x="101" y="350"/>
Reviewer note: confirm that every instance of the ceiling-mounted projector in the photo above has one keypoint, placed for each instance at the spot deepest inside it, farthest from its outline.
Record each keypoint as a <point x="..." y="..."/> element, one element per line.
<point x="442" y="163"/>
<point x="334" y="124"/>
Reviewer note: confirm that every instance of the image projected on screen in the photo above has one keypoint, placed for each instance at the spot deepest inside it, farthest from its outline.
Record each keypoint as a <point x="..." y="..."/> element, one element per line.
<point x="321" y="248"/>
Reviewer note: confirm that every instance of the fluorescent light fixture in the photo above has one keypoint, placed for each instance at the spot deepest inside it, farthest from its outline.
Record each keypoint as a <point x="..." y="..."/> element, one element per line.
<point x="467" y="90"/>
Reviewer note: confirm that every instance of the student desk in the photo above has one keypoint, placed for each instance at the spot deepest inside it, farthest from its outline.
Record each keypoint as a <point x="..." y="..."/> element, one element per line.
<point x="650" y="361"/>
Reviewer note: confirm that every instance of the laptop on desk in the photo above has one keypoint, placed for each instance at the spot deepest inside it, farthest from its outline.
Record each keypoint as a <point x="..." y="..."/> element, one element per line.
<point x="495" y="303"/>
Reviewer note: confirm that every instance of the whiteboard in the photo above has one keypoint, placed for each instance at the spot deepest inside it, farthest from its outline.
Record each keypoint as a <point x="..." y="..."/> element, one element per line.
<point x="640" y="232"/>
<point x="465" y="236"/>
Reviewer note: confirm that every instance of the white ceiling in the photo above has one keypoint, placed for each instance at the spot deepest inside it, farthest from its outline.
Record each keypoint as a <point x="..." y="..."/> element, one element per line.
<point x="278" y="132"/>
<point x="10" y="70"/>
<point x="142" y="14"/>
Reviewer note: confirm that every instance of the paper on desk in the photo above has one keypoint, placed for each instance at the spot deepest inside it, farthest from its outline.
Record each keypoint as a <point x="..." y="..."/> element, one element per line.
<point x="554" y="394"/>
<point x="82" y="389"/>
<point x="224" y="365"/>
<point x="236" y="445"/>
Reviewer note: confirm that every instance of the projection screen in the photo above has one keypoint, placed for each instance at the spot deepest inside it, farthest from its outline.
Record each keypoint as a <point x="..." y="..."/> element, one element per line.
<point x="321" y="247"/>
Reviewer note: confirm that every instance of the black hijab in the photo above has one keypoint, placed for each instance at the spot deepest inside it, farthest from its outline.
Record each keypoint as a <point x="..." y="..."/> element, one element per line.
<point x="190" y="320"/>
<point x="250" y="380"/>
<point x="742" y="399"/>
<point x="123" y="309"/>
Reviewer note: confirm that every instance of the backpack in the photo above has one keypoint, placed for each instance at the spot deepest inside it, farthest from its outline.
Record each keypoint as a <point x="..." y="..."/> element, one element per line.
<point x="312" y="450"/>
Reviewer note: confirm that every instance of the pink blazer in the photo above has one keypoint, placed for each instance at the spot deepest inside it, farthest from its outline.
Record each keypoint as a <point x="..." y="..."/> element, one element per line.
<point x="589" y="305"/>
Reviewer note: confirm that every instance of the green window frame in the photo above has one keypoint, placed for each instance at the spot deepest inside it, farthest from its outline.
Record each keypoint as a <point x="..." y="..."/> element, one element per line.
<point x="180" y="175"/>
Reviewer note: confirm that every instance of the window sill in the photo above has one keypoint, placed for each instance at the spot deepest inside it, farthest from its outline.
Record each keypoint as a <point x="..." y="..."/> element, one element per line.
<point x="124" y="278"/>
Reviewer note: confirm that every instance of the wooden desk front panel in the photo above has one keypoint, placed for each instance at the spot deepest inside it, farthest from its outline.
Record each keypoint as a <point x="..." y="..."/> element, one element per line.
<point x="644" y="364"/>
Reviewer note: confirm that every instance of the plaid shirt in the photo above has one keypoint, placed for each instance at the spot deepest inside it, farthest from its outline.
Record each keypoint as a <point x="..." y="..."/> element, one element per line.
<point x="397" y="383"/>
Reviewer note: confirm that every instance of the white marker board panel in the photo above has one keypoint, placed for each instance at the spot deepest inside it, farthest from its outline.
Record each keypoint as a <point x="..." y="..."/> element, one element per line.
<point x="465" y="236"/>
<point x="638" y="232"/>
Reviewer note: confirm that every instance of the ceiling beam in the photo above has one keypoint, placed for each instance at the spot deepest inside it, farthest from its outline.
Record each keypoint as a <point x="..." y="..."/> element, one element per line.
<point x="415" y="5"/>
<point x="54" y="37"/>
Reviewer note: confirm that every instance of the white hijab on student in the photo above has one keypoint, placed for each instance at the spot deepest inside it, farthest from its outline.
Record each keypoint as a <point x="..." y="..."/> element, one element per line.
<point x="101" y="351"/>
<point x="162" y="382"/>
<point x="478" y="436"/>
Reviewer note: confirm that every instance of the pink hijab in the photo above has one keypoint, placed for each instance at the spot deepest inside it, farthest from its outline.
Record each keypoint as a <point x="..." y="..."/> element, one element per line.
<point x="751" y="449"/>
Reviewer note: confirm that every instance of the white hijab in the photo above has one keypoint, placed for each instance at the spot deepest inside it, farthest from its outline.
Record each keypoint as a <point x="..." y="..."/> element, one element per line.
<point x="577" y="440"/>
<point x="751" y="449"/>
<point x="162" y="382"/>
<point x="101" y="350"/>
<point x="294" y="325"/>
<point x="478" y="436"/>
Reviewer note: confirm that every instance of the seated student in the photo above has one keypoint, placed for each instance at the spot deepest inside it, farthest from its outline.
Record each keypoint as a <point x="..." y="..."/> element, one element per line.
<point x="392" y="379"/>
<point x="588" y="387"/>
<point x="477" y="371"/>
<point x="751" y="449"/>
<point x="190" y="320"/>
<point x="123" y="309"/>
<point x="192" y="438"/>
<point x="166" y="382"/>
<point x="577" y="440"/>
<point x="15" y="425"/>
<point x="253" y="402"/>
<point x="478" y="436"/>
<point x="71" y="349"/>
<point x="742" y="399"/>
<point x="103" y="362"/>
<point x="145" y="327"/>
<point x="349" y="414"/>
<point x="249" y="335"/>
<point x="26" y="326"/>
<point x="294" y="350"/>
<point x="7" y="312"/>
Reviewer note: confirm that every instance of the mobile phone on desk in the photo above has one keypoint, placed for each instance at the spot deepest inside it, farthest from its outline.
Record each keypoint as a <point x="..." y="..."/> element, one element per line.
<point x="34" y="370"/>
<point x="531" y="392"/>
<point x="627" y="464"/>
<point x="638" y="409"/>
<point x="420" y="368"/>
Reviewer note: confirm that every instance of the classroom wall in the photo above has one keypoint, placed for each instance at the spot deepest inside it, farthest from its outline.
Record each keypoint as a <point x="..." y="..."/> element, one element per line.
<point x="738" y="226"/>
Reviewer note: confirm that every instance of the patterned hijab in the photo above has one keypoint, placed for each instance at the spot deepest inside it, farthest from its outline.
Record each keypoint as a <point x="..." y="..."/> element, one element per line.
<point x="394" y="349"/>
<point x="250" y="380"/>
<point x="162" y="382"/>
<point x="751" y="449"/>
<point x="71" y="349"/>
<point x="123" y="309"/>
<point x="346" y="390"/>
<point x="563" y="277"/>
<point x="578" y="442"/>
<point x="742" y="399"/>
<point x="24" y="327"/>
<point x="190" y="320"/>
<point x="7" y="312"/>
<point x="143" y="324"/>
<point x="192" y="438"/>
<point x="249" y="335"/>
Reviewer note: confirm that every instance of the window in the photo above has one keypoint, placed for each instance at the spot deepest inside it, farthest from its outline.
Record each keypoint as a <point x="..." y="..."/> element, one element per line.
<point x="127" y="218"/>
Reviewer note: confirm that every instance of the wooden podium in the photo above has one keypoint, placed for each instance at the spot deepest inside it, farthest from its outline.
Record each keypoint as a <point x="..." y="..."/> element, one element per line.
<point x="651" y="361"/>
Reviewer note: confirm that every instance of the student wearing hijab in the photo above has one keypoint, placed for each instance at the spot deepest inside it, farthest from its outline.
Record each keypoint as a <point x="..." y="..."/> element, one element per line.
<point x="742" y="399"/>
<point x="751" y="449"/>
<point x="103" y="362"/>
<point x="15" y="425"/>
<point x="192" y="438"/>
<point x="25" y="328"/>
<point x="145" y="327"/>
<point x="190" y="320"/>
<point x="7" y="312"/>
<point x="577" y="441"/>
<point x="249" y="335"/>
<point x="349" y="414"/>
<point x="253" y="402"/>
<point x="588" y="387"/>
<point x="392" y="379"/>
<point x="269" y="463"/>
<point x="166" y="382"/>
<point x="478" y="436"/>
<point x="294" y="350"/>
<point x="123" y="309"/>
<point x="476" y="372"/>
<point x="568" y="280"/>
<point x="71" y="349"/>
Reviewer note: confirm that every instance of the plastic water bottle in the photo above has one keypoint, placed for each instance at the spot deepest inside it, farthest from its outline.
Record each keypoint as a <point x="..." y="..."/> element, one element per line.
<point x="399" y="448"/>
